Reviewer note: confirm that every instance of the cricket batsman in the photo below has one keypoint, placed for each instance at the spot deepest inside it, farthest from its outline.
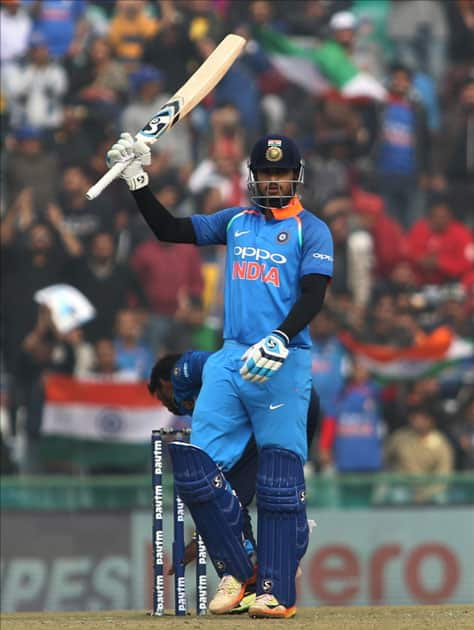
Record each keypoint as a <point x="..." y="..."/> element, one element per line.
<point x="279" y="262"/>
<point x="176" y="381"/>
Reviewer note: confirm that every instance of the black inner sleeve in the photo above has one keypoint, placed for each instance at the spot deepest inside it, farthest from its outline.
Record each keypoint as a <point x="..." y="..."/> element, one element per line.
<point x="310" y="302"/>
<point x="162" y="223"/>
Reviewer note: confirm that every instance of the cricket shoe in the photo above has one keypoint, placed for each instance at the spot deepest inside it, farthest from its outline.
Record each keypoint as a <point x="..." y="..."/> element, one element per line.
<point x="246" y="601"/>
<point x="230" y="594"/>
<point x="267" y="606"/>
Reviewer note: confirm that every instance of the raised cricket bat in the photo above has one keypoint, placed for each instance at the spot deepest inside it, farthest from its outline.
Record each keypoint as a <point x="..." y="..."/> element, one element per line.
<point x="206" y="77"/>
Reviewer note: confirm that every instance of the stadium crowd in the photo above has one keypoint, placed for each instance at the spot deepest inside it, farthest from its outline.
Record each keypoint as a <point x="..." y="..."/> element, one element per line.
<point x="393" y="178"/>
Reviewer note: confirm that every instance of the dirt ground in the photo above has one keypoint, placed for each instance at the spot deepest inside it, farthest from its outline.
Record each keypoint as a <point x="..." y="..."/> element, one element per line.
<point x="360" y="618"/>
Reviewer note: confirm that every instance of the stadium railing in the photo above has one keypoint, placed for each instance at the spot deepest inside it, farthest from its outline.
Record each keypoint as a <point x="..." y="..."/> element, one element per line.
<point x="59" y="492"/>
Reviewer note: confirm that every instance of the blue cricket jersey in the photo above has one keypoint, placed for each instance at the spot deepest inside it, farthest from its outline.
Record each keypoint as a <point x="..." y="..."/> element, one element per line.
<point x="186" y="379"/>
<point x="266" y="258"/>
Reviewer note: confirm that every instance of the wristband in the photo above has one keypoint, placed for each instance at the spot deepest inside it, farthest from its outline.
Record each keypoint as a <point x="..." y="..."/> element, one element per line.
<point x="284" y="336"/>
<point x="138" y="181"/>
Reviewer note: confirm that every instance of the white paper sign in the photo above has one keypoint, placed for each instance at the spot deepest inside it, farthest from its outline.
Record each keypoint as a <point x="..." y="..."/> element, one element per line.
<point x="69" y="307"/>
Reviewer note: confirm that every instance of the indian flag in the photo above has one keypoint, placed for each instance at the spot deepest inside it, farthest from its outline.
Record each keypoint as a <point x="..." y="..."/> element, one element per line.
<point x="318" y="69"/>
<point x="430" y="354"/>
<point x="101" y="410"/>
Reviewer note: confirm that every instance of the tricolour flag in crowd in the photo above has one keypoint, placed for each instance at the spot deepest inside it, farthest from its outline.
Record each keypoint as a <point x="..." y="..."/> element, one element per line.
<point x="101" y="410"/>
<point x="318" y="69"/>
<point x="430" y="354"/>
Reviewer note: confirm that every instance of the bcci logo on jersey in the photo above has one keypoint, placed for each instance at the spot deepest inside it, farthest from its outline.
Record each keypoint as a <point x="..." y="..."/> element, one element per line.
<point x="261" y="266"/>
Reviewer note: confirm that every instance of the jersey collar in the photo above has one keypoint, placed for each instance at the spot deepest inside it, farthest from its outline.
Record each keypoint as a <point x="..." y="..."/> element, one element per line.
<point x="291" y="210"/>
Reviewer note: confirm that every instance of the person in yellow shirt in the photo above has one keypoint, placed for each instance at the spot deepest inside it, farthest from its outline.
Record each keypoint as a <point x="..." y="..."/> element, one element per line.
<point x="129" y="29"/>
<point x="420" y="449"/>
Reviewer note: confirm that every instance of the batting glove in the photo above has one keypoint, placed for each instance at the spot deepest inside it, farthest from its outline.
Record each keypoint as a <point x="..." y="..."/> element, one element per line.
<point x="265" y="358"/>
<point x="136" y="154"/>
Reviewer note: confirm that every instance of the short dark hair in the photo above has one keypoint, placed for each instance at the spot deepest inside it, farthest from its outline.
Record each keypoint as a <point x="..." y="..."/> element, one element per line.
<point x="439" y="199"/>
<point x="161" y="371"/>
<point x="398" y="66"/>
<point x="426" y="408"/>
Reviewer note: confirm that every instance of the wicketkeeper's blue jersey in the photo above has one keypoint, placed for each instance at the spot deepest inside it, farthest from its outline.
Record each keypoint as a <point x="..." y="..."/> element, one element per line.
<point x="186" y="378"/>
<point x="265" y="261"/>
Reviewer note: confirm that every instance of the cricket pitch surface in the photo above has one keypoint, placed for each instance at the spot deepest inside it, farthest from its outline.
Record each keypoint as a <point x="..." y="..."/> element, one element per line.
<point x="459" y="617"/>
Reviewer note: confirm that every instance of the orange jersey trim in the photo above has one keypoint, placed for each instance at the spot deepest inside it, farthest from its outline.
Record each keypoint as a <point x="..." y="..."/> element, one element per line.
<point x="291" y="210"/>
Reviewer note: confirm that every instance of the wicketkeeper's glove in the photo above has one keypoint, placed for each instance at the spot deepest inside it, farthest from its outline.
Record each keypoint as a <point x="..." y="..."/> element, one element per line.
<point x="136" y="154"/>
<point x="265" y="358"/>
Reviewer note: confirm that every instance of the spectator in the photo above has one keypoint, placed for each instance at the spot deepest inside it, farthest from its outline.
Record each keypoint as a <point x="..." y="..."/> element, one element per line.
<point x="40" y="353"/>
<point x="224" y="170"/>
<point x="105" y="366"/>
<point x="339" y="131"/>
<point x="383" y="325"/>
<point x="171" y="51"/>
<point x="71" y="143"/>
<point x="34" y="256"/>
<point x="345" y="30"/>
<point x="418" y="31"/>
<point x="455" y="313"/>
<point x="386" y="233"/>
<point x="100" y="84"/>
<point x="329" y="360"/>
<point x="129" y="30"/>
<point x="15" y="30"/>
<point x="201" y="19"/>
<point x="238" y="87"/>
<point x="84" y="218"/>
<point x="463" y="432"/>
<point x="456" y="152"/>
<point x="109" y="286"/>
<point x="62" y="24"/>
<point x="171" y="275"/>
<point x="43" y="350"/>
<point x="461" y="40"/>
<point x="148" y="97"/>
<point x="131" y="354"/>
<point x="439" y="246"/>
<point x="36" y="89"/>
<point x="402" y="149"/>
<point x="338" y="137"/>
<point x="312" y="20"/>
<point x="351" y="435"/>
<point x="30" y="166"/>
<point x="401" y="283"/>
<point x="353" y="251"/>
<point x="420" y="449"/>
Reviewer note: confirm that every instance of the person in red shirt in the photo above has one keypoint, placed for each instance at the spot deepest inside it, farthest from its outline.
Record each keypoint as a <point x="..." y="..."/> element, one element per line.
<point x="171" y="276"/>
<point x="439" y="247"/>
<point x="387" y="234"/>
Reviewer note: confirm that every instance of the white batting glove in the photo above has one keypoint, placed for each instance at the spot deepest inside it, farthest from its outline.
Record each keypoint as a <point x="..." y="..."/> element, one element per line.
<point x="265" y="358"/>
<point x="136" y="154"/>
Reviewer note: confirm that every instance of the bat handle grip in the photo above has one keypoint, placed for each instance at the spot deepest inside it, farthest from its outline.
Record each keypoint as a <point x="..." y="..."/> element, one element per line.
<point x="95" y="190"/>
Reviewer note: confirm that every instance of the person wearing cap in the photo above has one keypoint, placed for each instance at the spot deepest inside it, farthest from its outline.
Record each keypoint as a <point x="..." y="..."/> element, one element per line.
<point x="279" y="262"/>
<point x="351" y="34"/>
<point x="15" y="30"/>
<point x="342" y="26"/>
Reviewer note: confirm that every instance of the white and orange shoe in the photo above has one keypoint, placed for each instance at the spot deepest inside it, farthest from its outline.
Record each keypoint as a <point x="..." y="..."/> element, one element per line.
<point x="229" y="593"/>
<point x="267" y="606"/>
<point x="233" y="596"/>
